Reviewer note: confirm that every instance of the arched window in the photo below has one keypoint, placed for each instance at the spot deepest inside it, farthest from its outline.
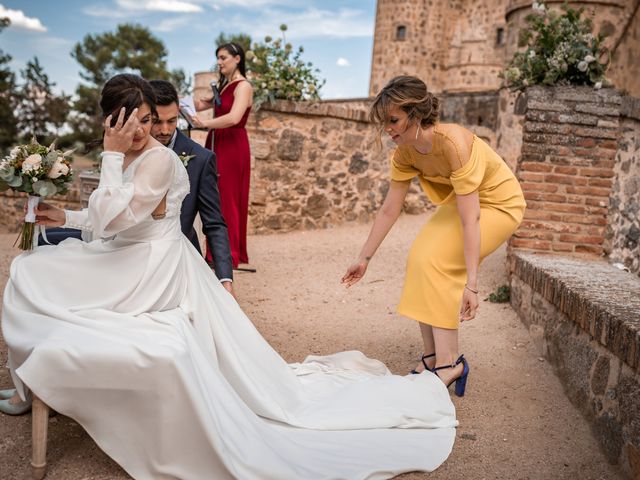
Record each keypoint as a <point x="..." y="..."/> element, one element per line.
<point x="499" y="37"/>
<point x="401" y="32"/>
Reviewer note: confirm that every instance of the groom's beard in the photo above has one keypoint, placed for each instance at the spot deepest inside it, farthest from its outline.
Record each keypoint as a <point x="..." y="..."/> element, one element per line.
<point x="164" y="139"/>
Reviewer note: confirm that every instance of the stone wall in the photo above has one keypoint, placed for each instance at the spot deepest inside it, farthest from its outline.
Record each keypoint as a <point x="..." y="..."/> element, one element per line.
<point x="623" y="230"/>
<point x="584" y="316"/>
<point x="511" y="109"/>
<point x="566" y="168"/>
<point x="316" y="165"/>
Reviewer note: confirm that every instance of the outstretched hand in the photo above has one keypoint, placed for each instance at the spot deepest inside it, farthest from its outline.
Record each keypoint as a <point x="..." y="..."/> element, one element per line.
<point x="119" y="138"/>
<point x="354" y="273"/>
<point x="49" y="216"/>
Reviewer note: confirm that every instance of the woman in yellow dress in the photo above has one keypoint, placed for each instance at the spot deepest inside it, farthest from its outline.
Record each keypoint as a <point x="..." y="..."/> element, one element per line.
<point x="480" y="205"/>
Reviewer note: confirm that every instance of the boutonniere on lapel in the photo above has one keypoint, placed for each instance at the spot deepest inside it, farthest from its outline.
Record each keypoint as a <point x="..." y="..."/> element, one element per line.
<point x="184" y="158"/>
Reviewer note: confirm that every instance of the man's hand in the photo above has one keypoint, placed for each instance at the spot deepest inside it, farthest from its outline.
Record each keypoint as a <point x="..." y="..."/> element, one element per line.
<point x="228" y="286"/>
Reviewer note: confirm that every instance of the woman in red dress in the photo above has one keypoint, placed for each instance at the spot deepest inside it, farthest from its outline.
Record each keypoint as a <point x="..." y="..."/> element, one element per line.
<point x="231" y="145"/>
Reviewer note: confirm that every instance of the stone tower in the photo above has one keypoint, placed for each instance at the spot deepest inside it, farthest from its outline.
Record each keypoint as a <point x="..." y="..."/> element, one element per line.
<point x="461" y="45"/>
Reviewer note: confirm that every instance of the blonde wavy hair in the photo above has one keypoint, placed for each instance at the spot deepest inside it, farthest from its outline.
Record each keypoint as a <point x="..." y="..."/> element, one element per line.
<point x="411" y="95"/>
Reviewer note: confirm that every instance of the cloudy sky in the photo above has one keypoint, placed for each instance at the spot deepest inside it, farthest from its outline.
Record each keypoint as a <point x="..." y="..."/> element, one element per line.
<point x="337" y="35"/>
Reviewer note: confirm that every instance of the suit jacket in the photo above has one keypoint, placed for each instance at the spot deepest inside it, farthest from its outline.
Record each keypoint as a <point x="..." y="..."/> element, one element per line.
<point x="203" y="198"/>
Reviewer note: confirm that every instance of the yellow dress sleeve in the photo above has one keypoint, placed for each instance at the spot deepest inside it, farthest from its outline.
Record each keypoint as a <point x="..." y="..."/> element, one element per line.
<point x="401" y="170"/>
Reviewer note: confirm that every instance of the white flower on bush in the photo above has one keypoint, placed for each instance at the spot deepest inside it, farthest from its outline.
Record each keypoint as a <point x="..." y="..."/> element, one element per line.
<point x="538" y="7"/>
<point x="598" y="85"/>
<point x="32" y="162"/>
<point x="14" y="152"/>
<point x="58" y="169"/>
<point x="582" y="66"/>
<point x="532" y="53"/>
<point x="589" y="58"/>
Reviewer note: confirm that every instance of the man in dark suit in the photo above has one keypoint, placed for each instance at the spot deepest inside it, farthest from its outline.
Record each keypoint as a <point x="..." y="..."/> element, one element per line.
<point x="204" y="197"/>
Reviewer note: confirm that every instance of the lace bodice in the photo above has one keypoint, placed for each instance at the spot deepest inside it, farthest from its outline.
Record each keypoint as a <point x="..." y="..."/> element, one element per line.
<point x="126" y="199"/>
<point x="179" y="186"/>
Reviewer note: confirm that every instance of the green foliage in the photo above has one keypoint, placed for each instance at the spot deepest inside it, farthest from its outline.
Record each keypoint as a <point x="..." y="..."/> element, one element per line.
<point x="40" y="112"/>
<point x="560" y="50"/>
<point x="278" y="72"/>
<point x="501" y="295"/>
<point x="130" y="48"/>
<point x="8" y="128"/>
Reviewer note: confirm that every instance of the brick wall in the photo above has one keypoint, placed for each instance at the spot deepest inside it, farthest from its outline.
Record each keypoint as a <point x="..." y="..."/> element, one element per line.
<point x="570" y="138"/>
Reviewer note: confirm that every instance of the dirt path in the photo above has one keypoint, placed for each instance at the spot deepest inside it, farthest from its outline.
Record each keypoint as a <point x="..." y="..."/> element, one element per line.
<point x="515" y="421"/>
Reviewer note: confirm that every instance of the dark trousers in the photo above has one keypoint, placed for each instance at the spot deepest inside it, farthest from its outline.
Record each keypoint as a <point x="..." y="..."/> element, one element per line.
<point x="56" y="235"/>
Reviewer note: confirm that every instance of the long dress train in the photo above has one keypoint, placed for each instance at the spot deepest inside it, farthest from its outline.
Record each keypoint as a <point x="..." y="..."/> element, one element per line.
<point x="134" y="337"/>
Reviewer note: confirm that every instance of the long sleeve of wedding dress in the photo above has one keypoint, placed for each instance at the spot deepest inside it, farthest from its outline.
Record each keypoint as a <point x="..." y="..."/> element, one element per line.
<point x="117" y="205"/>
<point x="133" y="336"/>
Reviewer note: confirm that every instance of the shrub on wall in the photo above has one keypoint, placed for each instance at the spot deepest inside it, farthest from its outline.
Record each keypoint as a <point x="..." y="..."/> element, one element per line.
<point x="560" y="50"/>
<point x="278" y="72"/>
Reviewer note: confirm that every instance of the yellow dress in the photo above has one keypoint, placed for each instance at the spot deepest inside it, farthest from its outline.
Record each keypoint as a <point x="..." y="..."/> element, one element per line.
<point x="459" y="163"/>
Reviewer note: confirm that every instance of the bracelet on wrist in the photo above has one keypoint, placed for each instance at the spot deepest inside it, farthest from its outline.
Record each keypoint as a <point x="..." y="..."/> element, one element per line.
<point x="470" y="289"/>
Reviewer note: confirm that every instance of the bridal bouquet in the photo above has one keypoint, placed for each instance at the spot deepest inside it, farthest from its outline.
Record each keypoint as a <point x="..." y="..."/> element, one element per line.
<point x="39" y="172"/>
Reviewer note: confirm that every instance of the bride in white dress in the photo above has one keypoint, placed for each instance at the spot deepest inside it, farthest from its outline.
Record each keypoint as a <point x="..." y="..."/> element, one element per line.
<point x="133" y="336"/>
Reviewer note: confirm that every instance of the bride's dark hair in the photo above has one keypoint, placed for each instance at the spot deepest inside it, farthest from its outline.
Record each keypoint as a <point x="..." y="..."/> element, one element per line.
<point x="128" y="91"/>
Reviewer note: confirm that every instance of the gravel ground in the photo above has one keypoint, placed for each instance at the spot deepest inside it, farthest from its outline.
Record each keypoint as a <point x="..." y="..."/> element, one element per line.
<point x="515" y="420"/>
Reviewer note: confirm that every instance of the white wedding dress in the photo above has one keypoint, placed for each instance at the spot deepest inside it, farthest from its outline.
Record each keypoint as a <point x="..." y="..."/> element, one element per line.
<point x="133" y="336"/>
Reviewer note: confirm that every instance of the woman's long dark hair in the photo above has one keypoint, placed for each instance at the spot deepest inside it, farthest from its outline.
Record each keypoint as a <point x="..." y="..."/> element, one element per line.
<point x="128" y="91"/>
<point x="234" y="49"/>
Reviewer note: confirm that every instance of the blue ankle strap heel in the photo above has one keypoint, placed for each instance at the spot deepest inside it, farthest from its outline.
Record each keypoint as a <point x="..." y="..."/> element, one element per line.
<point x="461" y="381"/>
<point x="424" y="357"/>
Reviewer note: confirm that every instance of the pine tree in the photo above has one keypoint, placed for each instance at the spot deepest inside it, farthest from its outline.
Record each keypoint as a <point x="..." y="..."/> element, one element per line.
<point x="8" y="128"/>
<point x="130" y="48"/>
<point x="41" y="112"/>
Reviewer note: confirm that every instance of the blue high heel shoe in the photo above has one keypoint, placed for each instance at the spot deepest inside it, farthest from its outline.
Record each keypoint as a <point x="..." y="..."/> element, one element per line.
<point x="461" y="381"/>
<point x="424" y="357"/>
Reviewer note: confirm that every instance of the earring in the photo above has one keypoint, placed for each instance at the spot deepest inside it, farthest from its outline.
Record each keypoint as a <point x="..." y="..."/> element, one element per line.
<point x="417" y="131"/>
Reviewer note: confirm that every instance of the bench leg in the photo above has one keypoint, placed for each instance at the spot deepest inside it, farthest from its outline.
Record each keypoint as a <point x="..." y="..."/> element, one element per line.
<point x="39" y="424"/>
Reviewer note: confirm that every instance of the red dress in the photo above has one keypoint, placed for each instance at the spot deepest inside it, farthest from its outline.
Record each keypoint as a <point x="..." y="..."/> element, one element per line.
<point x="231" y="146"/>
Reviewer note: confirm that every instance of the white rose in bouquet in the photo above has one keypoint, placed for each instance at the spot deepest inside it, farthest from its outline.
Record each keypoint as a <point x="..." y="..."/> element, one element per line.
<point x="58" y="169"/>
<point x="32" y="162"/>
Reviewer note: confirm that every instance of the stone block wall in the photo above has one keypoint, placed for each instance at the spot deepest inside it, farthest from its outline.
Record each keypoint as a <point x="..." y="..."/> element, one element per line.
<point x="566" y="168"/>
<point x="317" y="165"/>
<point x="623" y="229"/>
<point x="584" y="315"/>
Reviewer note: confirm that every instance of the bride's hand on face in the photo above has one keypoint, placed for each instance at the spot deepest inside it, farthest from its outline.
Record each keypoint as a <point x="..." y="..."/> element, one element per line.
<point x="119" y="138"/>
<point x="49" y="216"/>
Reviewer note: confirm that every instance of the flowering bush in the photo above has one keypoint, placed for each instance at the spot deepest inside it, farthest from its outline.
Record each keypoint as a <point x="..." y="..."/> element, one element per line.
<point x="561" y="50"/>
<point x="38" y="171"/>
<point x="279" y="73"/>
